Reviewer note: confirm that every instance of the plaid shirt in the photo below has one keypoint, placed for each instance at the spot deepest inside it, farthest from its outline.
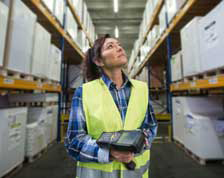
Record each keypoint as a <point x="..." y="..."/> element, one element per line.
<point x="80" y="145"/>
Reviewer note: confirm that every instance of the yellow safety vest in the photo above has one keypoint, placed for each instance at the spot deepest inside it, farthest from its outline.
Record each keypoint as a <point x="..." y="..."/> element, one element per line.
<point x="102" y="115"/>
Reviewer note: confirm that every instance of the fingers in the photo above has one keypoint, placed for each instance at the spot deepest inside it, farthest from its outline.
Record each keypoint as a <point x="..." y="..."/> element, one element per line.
<point x="121" y="156"/>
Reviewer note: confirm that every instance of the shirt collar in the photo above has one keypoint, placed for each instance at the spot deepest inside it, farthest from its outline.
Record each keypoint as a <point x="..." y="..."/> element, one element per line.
<point x="110" y="83"/>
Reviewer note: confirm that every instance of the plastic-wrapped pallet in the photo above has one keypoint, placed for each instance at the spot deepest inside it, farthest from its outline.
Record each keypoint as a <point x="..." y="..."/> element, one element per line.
<point x="212" y="39"/>
<point x="173" y="6"/>
<point x="49" y="124"/>
<point x="39" y="115"/>
<point x="59" y="10"/>
<point x="202" y="136"/>
<point x="12" y="138"/>
<point x="54" y="70"/>
<point x="49" y="4"/>
<point x="40" y="54"/>
<point x="33" y="97"/>
<point x="3" y="28"/>
<point x="19" y="39"/>
<point x="75" y="76"/>
<point x="162" y="19"/>
<point x="34" y="139"/>
<point x="177" y="67"/>
<point x="178" y="119"/>
<point x="190" y="43"/>
<point x="54" y="130"/>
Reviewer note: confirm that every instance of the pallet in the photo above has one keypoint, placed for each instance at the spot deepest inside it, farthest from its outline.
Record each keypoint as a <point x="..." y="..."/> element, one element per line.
<point x="205" y="75"/>
<point x="31" y="159"/>
<point x="14" y="171"/>
<point x="196" y="158"/>
<point x="15" y="75"/>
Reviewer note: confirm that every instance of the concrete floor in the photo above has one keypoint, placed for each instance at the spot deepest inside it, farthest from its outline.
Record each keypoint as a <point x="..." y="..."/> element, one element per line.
<point x="167" y="161"/>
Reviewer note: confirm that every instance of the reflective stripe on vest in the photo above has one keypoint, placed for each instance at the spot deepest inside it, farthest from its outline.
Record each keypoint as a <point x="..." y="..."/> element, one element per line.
<point x="102" y="115"/>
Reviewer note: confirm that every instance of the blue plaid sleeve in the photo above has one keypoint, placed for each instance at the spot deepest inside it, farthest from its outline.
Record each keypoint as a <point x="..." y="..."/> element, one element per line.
<point x="79" y="145"/>
<point x="150" y="125"/>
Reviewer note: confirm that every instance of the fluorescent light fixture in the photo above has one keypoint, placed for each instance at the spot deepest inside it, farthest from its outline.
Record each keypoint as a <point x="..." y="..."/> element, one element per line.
<point x="116" y="31"/>
<point x="115" y="6"/>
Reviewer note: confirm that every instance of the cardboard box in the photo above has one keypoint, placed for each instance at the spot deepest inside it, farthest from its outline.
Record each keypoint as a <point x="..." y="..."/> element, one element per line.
<point x="212" y="39"/>
<point x="4" y="10"/>
<point x="19" y="41"/>
<point x="71" y="25"/>
<point x="162" y="19"/>
<point x="190" y="43"/>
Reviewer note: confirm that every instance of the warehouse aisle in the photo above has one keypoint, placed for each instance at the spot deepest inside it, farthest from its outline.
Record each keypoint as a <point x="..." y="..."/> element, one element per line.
<point x="167" y="160"/>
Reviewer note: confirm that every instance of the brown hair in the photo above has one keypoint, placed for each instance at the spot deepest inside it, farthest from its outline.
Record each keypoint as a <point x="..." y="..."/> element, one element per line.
<point x="91" y="70"/>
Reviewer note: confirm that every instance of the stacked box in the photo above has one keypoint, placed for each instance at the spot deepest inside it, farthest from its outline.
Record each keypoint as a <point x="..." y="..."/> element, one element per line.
<point x="176" y="67"/>
<point x="41" y="48"/>
<point x="49" y="124"/>
<point x="173" y="6"/>
<point x="78" y="5"/>
<point x="178" y="119"/>
<point x="162" y="19"/>
<point x="59" y="10"/>
<point x="212" y="39"/>
<point x="50" y="4"/>
<point x="54" y="70"/>
<point x="3" y="27"/>
<point x="34" y="139"/>
<point x="54" y="130"/>
<point x="20" y="35"/>
<point x="190" y="43"/>
<point x="81" y="37"/>
<point x="71" y="25"/>
<point x="12" y="138"/>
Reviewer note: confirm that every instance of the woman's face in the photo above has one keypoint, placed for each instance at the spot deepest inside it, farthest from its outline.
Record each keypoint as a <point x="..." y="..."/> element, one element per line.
<point x="113" y="55"/>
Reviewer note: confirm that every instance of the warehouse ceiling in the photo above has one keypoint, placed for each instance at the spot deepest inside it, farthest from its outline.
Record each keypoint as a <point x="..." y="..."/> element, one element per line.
<point x="128" y="19"/>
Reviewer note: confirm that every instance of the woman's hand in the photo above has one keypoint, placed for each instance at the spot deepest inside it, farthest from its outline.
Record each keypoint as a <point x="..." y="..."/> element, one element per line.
<point x="122" y="156"/>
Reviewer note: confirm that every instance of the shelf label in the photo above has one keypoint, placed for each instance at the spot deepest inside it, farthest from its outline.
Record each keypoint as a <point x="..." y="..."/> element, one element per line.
<point x="8" y="81"/>
<point x="213" y="80"/>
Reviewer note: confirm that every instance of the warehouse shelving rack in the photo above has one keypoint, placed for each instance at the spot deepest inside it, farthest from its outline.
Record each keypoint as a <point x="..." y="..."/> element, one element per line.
<point x="71" y="54"/>
<point x="169" y="43"/>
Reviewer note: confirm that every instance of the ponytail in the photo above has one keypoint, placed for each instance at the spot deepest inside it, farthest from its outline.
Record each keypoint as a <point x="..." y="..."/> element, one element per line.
<point x="91" y="70"/>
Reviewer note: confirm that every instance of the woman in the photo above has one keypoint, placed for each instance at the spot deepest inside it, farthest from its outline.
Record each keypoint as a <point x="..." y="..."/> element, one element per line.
<point x="109" y="102"/>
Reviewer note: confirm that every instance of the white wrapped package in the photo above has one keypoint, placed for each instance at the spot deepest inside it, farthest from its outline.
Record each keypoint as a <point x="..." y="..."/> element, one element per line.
<point x="20" y="37"/>
<point x="4" y="10"/>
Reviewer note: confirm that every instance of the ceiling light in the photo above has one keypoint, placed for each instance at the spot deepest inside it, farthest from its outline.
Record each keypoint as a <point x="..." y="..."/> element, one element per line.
<point x="115" y="6"/>
<point x="116" y="31"/>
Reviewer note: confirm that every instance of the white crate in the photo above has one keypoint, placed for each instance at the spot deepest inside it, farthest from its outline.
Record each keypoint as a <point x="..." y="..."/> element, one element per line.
<point x="202" y="136"/>
<point x="3" y="28"/>
<point x="212" y="39"/>
<point x="59" y="10"/>
<point x="12" y="138"/>
<point x="177" y="67"/>
<point x="173" y="6"/>
<point x="41" y="48"/>
<point x="190" y="43"/>
<point x="20" y="37"/>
